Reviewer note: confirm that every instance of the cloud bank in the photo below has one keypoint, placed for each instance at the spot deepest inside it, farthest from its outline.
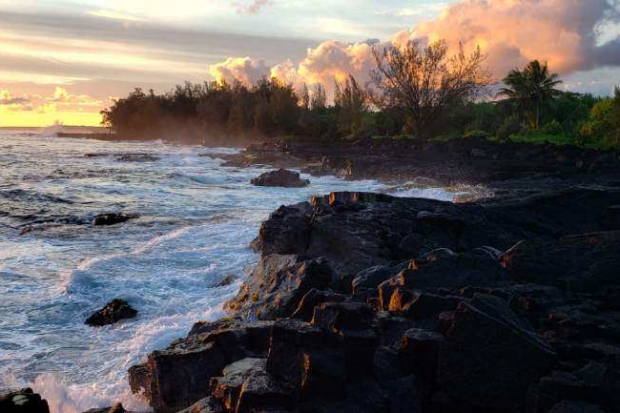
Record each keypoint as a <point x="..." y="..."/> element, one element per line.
<point x="571" y="35"/>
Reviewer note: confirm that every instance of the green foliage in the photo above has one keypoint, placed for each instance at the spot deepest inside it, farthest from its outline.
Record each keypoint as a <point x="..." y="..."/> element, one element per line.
<point x="603" y="127"/>
<point x="511" y="126"/>
<point x="530" y="88"/>
<point x="552" y="128"/>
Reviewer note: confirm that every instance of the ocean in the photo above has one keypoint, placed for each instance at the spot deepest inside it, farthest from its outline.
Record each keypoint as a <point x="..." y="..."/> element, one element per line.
<point x="197" y="219"/>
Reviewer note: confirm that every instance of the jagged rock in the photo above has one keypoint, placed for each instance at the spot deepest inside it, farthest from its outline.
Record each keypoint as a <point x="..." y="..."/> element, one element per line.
<point x="418" y="354"/>
<point x="113" y="218"/>
<point x="441" y="269"/>
<point x="324" y="374"/>
<point x="278" y="284"/>
<point x="370" y="278"/>
<point x="260" y="391"/>
<point x="175" y="378"/>
<point x="578" y="262"/>
<point x="23" y="401"/>
<point x="227" y="389"/>
<point x="287" y="231"/>
<point x="314" y="297"/>
<point x="114" y="311"/>
<point x="489" y="358"/>
<point x="339" y="317"/>
<point x="280" y="178"/>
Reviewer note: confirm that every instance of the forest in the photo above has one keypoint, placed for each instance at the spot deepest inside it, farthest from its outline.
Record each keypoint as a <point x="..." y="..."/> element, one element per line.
<point x="414" y="93"/>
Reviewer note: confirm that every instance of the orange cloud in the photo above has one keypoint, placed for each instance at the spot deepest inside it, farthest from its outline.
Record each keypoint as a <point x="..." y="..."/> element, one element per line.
<point x="564" y="33"/>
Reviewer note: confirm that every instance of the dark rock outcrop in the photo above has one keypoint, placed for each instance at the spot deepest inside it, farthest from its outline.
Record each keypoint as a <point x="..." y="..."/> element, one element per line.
<point x="112" y="219"/>
<point x="386" y="305"/>
<point x="112" y="312"/>
<point x="23" y="401"/>
<point x="280" y="178"/>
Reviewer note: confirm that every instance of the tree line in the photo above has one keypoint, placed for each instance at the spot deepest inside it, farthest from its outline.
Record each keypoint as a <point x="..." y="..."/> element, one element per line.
<point x="415" y="92"/>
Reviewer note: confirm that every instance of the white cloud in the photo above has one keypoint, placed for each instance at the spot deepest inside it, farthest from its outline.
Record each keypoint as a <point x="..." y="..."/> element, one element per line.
<point x="115" y="15"/>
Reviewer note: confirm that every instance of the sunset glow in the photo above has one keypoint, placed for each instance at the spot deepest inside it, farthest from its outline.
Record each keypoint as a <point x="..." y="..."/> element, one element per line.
<point x="97" y="50"/>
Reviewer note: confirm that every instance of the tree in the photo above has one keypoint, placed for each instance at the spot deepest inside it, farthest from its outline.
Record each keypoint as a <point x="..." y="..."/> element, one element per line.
<point x="319" y="98"/>
<point x="351" y="103"/>
<point x="421" y="83"/>
<point x="530" y="88"/>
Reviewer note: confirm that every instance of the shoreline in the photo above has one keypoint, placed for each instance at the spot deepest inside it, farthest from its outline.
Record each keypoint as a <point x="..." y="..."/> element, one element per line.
<point x="355" y="296"/>
<point x="325" y="303"/>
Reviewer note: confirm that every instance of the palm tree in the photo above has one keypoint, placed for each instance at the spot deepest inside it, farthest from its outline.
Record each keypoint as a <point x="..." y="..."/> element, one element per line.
<point x="531" y="87"/>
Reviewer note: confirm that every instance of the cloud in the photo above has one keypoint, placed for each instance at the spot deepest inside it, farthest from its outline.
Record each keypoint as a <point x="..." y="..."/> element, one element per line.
<point x="7" y="99"/>
<point x="242" y="69"/>
<point x="254" y="7"/>
<point x="60" y="100"/>
<point x="115" y="15"/>
<point x="513" y="32"/>
<point x="565" y="33"/>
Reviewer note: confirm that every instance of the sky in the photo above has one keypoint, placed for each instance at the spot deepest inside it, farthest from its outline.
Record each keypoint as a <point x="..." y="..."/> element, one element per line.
<point x="65" y="60"/>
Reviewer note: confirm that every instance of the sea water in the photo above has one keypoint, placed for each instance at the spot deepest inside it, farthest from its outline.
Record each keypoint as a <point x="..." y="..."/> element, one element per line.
<point x="197" y="219"/>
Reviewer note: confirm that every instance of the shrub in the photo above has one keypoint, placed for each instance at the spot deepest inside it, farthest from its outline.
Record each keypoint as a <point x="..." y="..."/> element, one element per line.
<point x="510" y="127"/>
<point x="552" y="128"/>
<point x="480" y="134"/>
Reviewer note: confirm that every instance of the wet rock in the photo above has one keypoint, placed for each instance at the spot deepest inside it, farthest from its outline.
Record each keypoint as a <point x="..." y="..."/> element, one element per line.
<point x="278" y="284"/>
<point x="113" y="312"/>
<point x="489" y="358"/>
<point x="23" y="401"/>
<point x="286" y="232"/>
<point x="226" y="281"/>
<point x="137" y="157"/>
<point x="280" y="178"/>
<point x="227" y="389"/>
<point x="112" y="219"/>
<point x="175" y="378"/>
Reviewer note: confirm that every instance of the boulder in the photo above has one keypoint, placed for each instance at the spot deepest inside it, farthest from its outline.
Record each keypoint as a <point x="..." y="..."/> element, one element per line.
<point x="23" y="401"/>
<point x="490" y="358"/>
<point x="280" y="178"/>
<point x="112" y="219"/>
<point x="112" y="312"/>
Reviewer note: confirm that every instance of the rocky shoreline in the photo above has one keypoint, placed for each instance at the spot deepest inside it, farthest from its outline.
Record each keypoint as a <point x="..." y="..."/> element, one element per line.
<point x="369" y="303"/>
<point x="365" y="302"/>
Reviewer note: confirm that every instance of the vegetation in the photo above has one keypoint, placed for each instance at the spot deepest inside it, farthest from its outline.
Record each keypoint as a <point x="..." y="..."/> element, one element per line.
<point x="530" y="89"/>
<point x="415" y="93"/>
<point x="423" y="84"/>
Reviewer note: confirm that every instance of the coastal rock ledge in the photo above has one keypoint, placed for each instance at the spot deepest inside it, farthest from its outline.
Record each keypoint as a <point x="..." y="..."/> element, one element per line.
<point x="367" y="303"/>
